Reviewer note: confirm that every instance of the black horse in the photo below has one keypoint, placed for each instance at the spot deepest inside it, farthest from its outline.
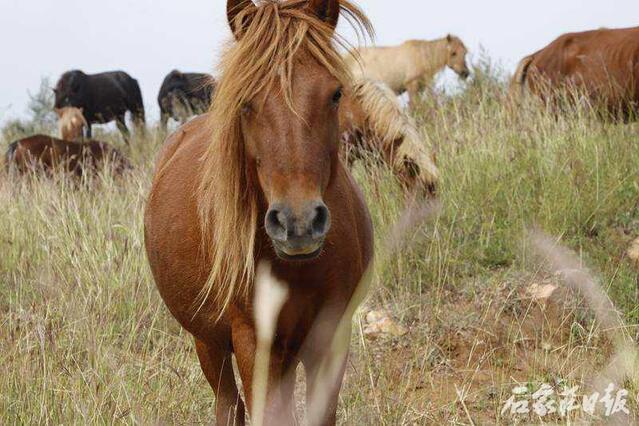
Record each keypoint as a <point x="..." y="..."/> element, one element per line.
<point x="184" y="94"/>
<point x="103" y="97"/>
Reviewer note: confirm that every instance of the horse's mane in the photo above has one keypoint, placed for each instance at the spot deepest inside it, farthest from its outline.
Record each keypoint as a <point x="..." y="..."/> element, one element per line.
<point x="275" y="36"/>
<point x="387" y="122"/>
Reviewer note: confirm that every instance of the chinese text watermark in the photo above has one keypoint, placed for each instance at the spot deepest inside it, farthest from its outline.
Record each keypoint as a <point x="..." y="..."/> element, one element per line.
<point x="546" y="400"/>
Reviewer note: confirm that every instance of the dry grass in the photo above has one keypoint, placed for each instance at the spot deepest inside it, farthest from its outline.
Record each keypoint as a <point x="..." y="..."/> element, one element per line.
<point x="86" y="339"/>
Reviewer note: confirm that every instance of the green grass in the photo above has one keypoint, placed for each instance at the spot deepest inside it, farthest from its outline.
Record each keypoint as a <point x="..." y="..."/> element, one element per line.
<point x="85" y="337"/>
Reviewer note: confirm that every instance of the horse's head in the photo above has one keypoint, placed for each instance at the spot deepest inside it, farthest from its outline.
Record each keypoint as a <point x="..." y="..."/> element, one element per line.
<point x="289" y="124"/>
<point x="295" y="153"/>
<point x="457" y="56"/>
<point x="69" y="91"/>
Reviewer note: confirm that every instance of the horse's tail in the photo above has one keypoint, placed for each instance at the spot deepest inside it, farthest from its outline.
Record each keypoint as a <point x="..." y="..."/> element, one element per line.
<point x="10" y="155"/>
<point x="518" y="82"/>
<point x="388" y="122"/>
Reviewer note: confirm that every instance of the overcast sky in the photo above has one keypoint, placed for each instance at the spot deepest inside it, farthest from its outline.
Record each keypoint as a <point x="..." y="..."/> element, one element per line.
<point x="148" y="38"/>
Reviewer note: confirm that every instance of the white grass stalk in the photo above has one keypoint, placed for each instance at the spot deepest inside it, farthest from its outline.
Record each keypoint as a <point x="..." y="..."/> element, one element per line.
<point x="270" y="296"/>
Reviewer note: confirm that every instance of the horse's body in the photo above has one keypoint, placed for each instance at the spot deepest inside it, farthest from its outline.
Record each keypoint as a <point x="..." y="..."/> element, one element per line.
<point x="602" y="64"/>
<point x="412" y="66"/>
<point x="71" y="123"/>
<point x="45" y="153"/>
<point x="258" y="179"/>
<point x="103" y="97"/>
<point x="372" y="120"/>
<point x="184" y="94"/>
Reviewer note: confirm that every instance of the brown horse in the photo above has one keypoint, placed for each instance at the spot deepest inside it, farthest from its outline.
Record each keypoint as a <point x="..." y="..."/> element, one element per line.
<point x="46" y="153"/>
<point x="601" y="66"/>
<point x="259" y="180"/>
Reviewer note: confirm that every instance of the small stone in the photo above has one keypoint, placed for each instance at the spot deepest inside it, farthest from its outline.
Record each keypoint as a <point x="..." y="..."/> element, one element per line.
<point x="633" y="251"/>
<point x="380" y="323"/>
<point x="541" y="291"/>
<point x="376" y="316"/>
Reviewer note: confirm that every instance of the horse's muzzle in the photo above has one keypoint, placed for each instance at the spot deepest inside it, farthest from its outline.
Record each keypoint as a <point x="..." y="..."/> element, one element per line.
<point x="298" y="235"/>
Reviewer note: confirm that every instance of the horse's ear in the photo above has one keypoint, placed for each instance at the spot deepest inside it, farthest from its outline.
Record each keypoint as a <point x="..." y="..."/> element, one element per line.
<point x="233" y="9"/>
<point x="326" y="10"/>
<point x="449" y="38"/>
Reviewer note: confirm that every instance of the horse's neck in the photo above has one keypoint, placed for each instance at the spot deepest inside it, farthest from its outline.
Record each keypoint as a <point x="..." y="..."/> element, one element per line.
<point x="432" y="56"/>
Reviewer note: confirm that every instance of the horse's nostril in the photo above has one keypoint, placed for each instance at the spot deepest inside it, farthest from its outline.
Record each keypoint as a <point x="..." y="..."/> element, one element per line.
<point x="321" y="221"/>
<point x="275" y="224"/>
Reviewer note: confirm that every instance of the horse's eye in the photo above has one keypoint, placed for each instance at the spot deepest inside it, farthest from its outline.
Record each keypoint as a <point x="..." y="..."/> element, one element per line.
<point x="454" y="54"/>
<point x="247" y="108"/>
<point x="337" y="96"/>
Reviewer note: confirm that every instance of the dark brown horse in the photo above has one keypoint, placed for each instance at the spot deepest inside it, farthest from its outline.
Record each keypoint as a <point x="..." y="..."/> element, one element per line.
<point x="45" y="153"/>
<point x="602" y="65"/>
<point x="259" y="180"/>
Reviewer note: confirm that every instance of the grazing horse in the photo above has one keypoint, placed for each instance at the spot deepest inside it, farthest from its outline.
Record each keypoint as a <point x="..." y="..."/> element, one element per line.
<point x="601" y="65"/>
<point x="103" y="98"/>
<point x="410" y="67"/>
<point x="71" y="123"/>
<point x="372" y="120"/>
<point x="45" y="153"/>
<point x="259" y="180"/>
<point x="184" y="94"/>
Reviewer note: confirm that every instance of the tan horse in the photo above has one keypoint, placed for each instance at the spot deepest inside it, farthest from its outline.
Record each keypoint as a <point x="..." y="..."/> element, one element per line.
<point x="259" y="179"/>
<point x="71" y="123"/>
<point x="373" y="120"/>
<point x="412" y="66"/>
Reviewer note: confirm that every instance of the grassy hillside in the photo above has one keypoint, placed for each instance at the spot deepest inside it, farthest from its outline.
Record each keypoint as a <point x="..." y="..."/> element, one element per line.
<point x="85" y="337"/>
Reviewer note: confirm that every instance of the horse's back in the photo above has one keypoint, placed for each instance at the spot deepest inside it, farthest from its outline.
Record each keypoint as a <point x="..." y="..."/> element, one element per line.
<point x="595" y="59"/>
<point x="393" y="65"/>
<point x="47" y="152"/>
<point x="114" y="92"/>
<point x="26" y="152"/>
<point x="191" y="137"/>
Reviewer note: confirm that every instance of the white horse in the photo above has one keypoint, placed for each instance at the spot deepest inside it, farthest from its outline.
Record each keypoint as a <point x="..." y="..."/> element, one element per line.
<point x="410" y="67"/>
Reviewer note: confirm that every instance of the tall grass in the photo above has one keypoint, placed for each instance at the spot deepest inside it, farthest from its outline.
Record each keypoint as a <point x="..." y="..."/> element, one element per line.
<point x="85" y="337"/>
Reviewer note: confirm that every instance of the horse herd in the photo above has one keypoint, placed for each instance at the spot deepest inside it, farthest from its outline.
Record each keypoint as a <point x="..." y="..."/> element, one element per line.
<point x="259" y="180"/>
<point x="599" y="66"/>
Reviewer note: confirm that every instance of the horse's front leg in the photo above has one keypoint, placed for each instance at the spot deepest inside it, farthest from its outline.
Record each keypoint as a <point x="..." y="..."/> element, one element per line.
<point x="215" y="360"/>
<point x="279" y="401"/>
